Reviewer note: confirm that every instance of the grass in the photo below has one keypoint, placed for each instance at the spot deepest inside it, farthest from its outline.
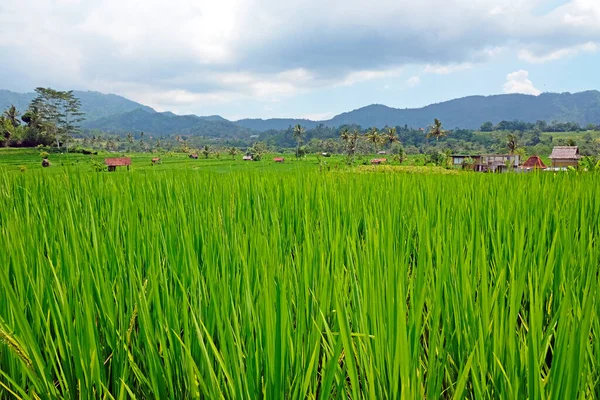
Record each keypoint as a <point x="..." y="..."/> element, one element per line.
<point x="288" y="282"/>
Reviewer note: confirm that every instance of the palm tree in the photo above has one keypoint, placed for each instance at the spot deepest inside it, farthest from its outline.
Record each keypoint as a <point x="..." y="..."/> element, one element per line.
<point x="436" y="130"/>
<point x="232" y="152"/>
<point x="206" y="151"/>
<point x="351" y="139"/>
<point x="298" y="134"/>
<point x="12" y="115"/>
<point x="374" y="137"/>
<point x="390" y="136"/>
<point x="511" y="143"/>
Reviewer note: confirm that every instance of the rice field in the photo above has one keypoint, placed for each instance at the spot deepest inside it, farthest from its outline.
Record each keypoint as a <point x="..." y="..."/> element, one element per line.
<point x="299" y="284"/>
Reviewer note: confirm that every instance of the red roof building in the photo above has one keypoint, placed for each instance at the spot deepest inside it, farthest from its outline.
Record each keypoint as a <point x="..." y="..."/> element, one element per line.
<point x="279" y="159"/>
<point x="534" y="162"/>
<point x="113" y="163"/>
<point x="377" y="161"/>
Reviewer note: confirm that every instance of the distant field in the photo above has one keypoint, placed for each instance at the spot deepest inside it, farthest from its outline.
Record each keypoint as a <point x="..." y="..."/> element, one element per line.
<point x="287" y="281"/>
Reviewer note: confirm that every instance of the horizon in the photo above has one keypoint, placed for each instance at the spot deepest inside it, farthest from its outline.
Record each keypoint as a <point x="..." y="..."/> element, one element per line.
<point x="257" y="59"/>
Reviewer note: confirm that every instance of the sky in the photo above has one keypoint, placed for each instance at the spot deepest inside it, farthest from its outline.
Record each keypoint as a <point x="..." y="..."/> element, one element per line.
<point x="299" y="58"/>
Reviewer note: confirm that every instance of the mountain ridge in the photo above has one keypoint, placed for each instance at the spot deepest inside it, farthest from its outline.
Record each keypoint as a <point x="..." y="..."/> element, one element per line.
<point x="114" y="113"/>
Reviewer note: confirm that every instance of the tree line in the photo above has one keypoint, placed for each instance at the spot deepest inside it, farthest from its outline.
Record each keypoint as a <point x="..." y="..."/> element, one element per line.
<point x="52" y="119"/>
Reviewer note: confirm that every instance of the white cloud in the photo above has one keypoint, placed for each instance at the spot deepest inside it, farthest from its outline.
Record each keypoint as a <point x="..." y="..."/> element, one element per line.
<point x="529" y="56"/>
<point x="519" y="82"/>
<point x="439" y="69"/>
<point x="413" y="81"/>
<point x="188" y="51"/>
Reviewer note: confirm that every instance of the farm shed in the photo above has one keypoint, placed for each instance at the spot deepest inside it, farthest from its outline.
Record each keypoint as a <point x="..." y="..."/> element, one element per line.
<point x="279" y="159"/>
<point x="194" y="156"/>
<point x="533" y="162"/>
<point x="565" y="156"/>
<point x="247" y="158"/>
<point x="113" y="163"/>
<point x="377" y="161"/>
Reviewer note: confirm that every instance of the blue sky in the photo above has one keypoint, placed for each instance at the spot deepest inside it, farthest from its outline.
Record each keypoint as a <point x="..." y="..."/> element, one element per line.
<point x="299" y="58"/>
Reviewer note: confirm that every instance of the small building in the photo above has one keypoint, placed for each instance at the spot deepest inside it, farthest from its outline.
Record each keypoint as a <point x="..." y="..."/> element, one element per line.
<point x="194" y="156"/>
<point x="533" y="162"/>
<point x="247" y="158"/>
<point x="377" y="161"/>
<point x="113" y="163"/>
<point x="279" y="159"/>
<point x="156" y="161"/>
<point x="487" y="162"/>
<point x="565" y="156"/>
<point x="382" y="152"/>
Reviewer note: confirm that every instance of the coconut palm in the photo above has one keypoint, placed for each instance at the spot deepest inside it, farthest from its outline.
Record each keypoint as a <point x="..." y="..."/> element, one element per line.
<point x="436" y="130"/>
<point x="512" y="143"/>
<point x="206" y="151"/>
<point x="351" y="139"/>
<point x="12" y="115"/>
<point x="232" y="152"/>
<point x="390" y="136"/>
<point x="374" y="137"/>
<point x="298" y="133"/>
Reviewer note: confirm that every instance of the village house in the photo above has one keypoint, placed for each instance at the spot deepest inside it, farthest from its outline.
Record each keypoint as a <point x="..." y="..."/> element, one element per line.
<point x="377" y="161"/>
<point x="487" y="162"/>
<point x="565" y="156"/>
<point x="113" y="163"/>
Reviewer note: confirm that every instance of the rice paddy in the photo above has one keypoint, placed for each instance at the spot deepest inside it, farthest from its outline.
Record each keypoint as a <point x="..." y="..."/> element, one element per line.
<point x="299" y="284"/>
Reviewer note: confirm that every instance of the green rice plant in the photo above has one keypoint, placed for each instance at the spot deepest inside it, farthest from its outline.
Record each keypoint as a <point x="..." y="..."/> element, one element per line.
<point x="298" y="284"/>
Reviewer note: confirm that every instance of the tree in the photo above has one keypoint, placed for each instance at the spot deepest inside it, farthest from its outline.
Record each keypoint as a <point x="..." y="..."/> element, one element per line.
<point x="60" y="111"/>
<point x="487" y="127"/>
<point x="12" y="115"/>
<point x="390" y="136"/>
<point x="257" y="150"/>
<point x="206" y="151"/>
<point x="436" y="130"/>
<point x="232" y="152"/>
<point x="374" y="137"/>
<point x="351" y="140"/>
<point x="298" y="133"/>
<point x="512" y="143"/>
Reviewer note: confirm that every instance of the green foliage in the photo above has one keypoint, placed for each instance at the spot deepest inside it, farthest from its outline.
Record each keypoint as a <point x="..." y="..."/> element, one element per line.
<point x="44" y="154"/>
<point x="388" y="283"/>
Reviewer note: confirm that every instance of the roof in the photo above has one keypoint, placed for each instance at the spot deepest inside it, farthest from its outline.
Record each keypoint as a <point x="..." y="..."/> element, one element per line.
<point x="279" y="159"/>
<point x="568" y="152"/>
<point x="247" y="158"/>
<point x="378" y="160"/>
<point x="117" y="162"/>
<point x="534" y="162"/>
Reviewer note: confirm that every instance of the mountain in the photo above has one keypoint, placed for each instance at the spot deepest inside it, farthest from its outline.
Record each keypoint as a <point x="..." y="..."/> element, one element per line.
<point x="468" y="112"/>
<point x="112" y="113"/>
<point x="167" y="123"/>
<point x="95" y="105"/>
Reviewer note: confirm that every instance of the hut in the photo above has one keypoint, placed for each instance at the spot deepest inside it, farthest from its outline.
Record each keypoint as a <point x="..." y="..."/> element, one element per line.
<point x="533" y="162"/>
<point x="46" y="163"/>
<point x="382" y="152"/>
<point x="247" y="158"/>
<point x="377" y="161"/>
<point x="279" y="159"/>
<point x="113" y="163"/>
<point x="156" y="161"/>
<point x="194" y="156"/>
<point x="565" y="156"/>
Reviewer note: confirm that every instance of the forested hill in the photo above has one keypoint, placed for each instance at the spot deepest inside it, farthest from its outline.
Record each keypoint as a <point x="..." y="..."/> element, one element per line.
<point x="167" y="123"/>
<point x="112" y="113"/>
<point x="468" y="112"/>
<point x="95" y="105"/>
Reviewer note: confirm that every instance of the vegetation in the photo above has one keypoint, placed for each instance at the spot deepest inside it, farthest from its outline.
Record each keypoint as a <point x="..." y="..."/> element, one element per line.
<point x="190" y="284"/>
